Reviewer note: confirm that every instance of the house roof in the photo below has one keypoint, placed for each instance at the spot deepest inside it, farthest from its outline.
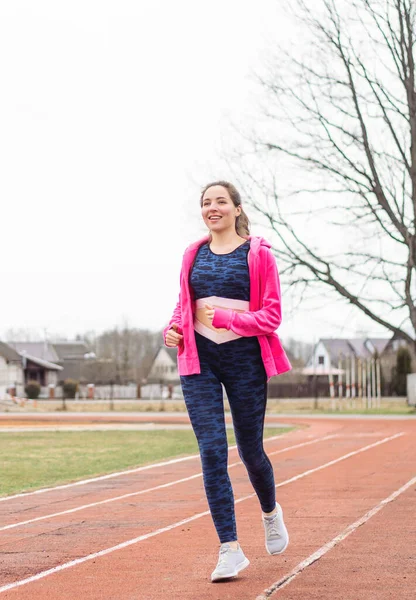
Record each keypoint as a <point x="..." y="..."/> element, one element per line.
<point x="359" y="347"/>
<point x="70" y="350"/>
<point x="9" y="353"/>
<point x="336" y="347"/>
<point x="43" y="363"/>
<point x="353" y="346"/>
<point x="173" y="352"/>
<point x="380" y="344"/>
<point x="42" y="350"/>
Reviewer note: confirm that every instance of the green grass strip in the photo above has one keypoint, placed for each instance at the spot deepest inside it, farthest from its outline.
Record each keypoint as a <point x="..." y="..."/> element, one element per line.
<point x="34" y="460"/>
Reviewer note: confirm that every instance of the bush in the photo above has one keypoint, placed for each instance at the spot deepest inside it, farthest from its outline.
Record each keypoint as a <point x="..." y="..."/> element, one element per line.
<point x="32" y="390"/>
<point x="70" y="388"/>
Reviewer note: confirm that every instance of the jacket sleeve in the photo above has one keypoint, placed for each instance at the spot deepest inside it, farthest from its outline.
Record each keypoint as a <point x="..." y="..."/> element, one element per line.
<point x="175" y="320"/>
<point x="260" y="322"/>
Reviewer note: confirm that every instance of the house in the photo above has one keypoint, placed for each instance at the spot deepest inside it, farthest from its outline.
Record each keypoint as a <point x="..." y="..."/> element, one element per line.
<point x="72" y="357"/>
<point x="38" y="369"/>
<point x="11" y="370"/>
<point x="39" y="362"/>
<point x="329" y="352"/>
<point x="335" y="356"/>
<point x="164" y="368"/>
<point x="17" y="367"/>
<point x="52" y="363"/>
<point x="163" y="377"/>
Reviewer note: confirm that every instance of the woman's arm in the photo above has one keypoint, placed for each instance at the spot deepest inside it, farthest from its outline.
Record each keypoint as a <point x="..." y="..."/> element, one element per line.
<point x="259" y="322"/>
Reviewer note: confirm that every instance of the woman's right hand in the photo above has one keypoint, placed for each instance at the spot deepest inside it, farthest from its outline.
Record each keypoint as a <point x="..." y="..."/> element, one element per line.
<point x="173" y="338"/>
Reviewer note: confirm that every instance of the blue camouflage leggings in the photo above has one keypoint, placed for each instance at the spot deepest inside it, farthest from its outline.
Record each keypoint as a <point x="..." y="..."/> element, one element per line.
<point x="238" y="365"/>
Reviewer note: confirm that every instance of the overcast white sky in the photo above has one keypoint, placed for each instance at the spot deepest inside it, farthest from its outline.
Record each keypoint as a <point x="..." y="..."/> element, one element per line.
<point x="111" y="118"/>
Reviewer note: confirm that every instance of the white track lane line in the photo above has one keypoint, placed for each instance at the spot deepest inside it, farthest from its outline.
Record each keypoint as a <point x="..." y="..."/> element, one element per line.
<point x="158" y="487"/>
<point x="146" y="536"/>
<point x="173" y="461"/>
<point x="284" y="581"/>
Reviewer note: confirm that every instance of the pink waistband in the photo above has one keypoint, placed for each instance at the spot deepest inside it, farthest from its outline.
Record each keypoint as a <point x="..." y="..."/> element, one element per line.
<point x="217" y="301"/>
<point x="219" y="336"/>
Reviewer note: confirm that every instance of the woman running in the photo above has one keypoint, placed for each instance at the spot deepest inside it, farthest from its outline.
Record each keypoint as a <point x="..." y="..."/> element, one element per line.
<point x="224" y="327"/>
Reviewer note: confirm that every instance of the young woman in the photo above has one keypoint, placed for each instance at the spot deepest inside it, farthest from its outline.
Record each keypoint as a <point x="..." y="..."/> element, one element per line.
<point x="223" y="325"/>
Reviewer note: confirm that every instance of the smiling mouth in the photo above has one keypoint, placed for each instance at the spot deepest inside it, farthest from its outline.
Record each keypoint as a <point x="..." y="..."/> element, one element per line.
<point x="214" y="218"/>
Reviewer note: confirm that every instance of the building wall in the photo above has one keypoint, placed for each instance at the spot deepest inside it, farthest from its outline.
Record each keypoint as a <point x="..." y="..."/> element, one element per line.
<point x="319" y="351"/>
<point x="52" y="377"/>
<point x="16" y="374"/>
<point x="4" y="377"/>
<point x="10" y="374"/>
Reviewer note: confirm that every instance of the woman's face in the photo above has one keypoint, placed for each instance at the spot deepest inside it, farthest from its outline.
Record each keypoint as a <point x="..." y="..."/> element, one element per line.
<point x="218" y="210"/>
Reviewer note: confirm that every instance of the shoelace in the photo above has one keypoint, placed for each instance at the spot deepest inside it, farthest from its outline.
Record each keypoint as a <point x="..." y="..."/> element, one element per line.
<point x="272" y="528"/>
<point x="223" y="557"/>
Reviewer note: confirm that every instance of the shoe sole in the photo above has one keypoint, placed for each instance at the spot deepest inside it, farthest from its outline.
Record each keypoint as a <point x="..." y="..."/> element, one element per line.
<point x="280" y="551"/>
<point x="239" y="568"/>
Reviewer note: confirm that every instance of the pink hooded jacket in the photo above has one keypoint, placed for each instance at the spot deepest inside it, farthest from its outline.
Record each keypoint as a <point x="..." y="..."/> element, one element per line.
<point x="263" y="318"/>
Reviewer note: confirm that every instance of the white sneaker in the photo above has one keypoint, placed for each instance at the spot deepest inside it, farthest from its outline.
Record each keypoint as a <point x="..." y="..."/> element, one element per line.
<point x="230" y="563"/>
<point x="277" y="537"/>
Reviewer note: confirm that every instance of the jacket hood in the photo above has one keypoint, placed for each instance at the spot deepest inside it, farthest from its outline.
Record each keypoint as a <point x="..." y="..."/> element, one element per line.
<point x="255" y="243"/>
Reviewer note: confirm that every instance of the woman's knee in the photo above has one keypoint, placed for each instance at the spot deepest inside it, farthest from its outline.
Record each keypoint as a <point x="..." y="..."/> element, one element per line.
<point x="254" y="461"/>
<point x="213" y="454"/>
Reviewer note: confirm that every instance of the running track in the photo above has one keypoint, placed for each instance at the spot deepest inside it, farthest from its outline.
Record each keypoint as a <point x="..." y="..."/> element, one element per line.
<point x="348" y="488"/>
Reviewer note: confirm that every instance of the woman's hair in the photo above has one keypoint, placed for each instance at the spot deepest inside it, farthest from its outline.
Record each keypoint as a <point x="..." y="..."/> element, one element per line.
<point x="242" y="224"/>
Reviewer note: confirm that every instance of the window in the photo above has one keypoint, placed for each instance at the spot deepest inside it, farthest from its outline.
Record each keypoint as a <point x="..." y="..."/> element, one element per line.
<point x="321" y="360"/>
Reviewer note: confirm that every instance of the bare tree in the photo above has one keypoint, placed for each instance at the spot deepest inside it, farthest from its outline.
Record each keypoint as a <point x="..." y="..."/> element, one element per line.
<point x="122" y="355"/>
<point x="340" y="118"/>
<point x="22" y="334"/>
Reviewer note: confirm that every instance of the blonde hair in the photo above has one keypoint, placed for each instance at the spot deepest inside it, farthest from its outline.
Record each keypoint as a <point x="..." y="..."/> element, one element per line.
<point x="242" y="223"/>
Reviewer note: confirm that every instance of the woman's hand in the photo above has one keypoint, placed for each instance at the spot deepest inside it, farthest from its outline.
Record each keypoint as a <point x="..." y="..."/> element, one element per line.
<point x="209" y="312"/>
<point x="173" y="338"/>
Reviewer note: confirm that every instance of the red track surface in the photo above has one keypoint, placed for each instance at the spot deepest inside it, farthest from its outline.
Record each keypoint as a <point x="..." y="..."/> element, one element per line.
<point x="377" y="561"/>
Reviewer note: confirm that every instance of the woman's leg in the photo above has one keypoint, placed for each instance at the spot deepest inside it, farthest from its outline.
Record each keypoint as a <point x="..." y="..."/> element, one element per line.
<point x="245" y="381"/>
<point x="204" y="400"/>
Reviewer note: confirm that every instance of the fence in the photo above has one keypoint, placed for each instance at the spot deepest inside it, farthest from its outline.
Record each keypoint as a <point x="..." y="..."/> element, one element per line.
<point x="101" y="392"/>
<point x="356" y="380"/>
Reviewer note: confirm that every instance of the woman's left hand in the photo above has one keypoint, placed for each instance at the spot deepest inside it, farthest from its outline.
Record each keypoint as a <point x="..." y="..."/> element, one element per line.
<point x="209" y="312"/>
